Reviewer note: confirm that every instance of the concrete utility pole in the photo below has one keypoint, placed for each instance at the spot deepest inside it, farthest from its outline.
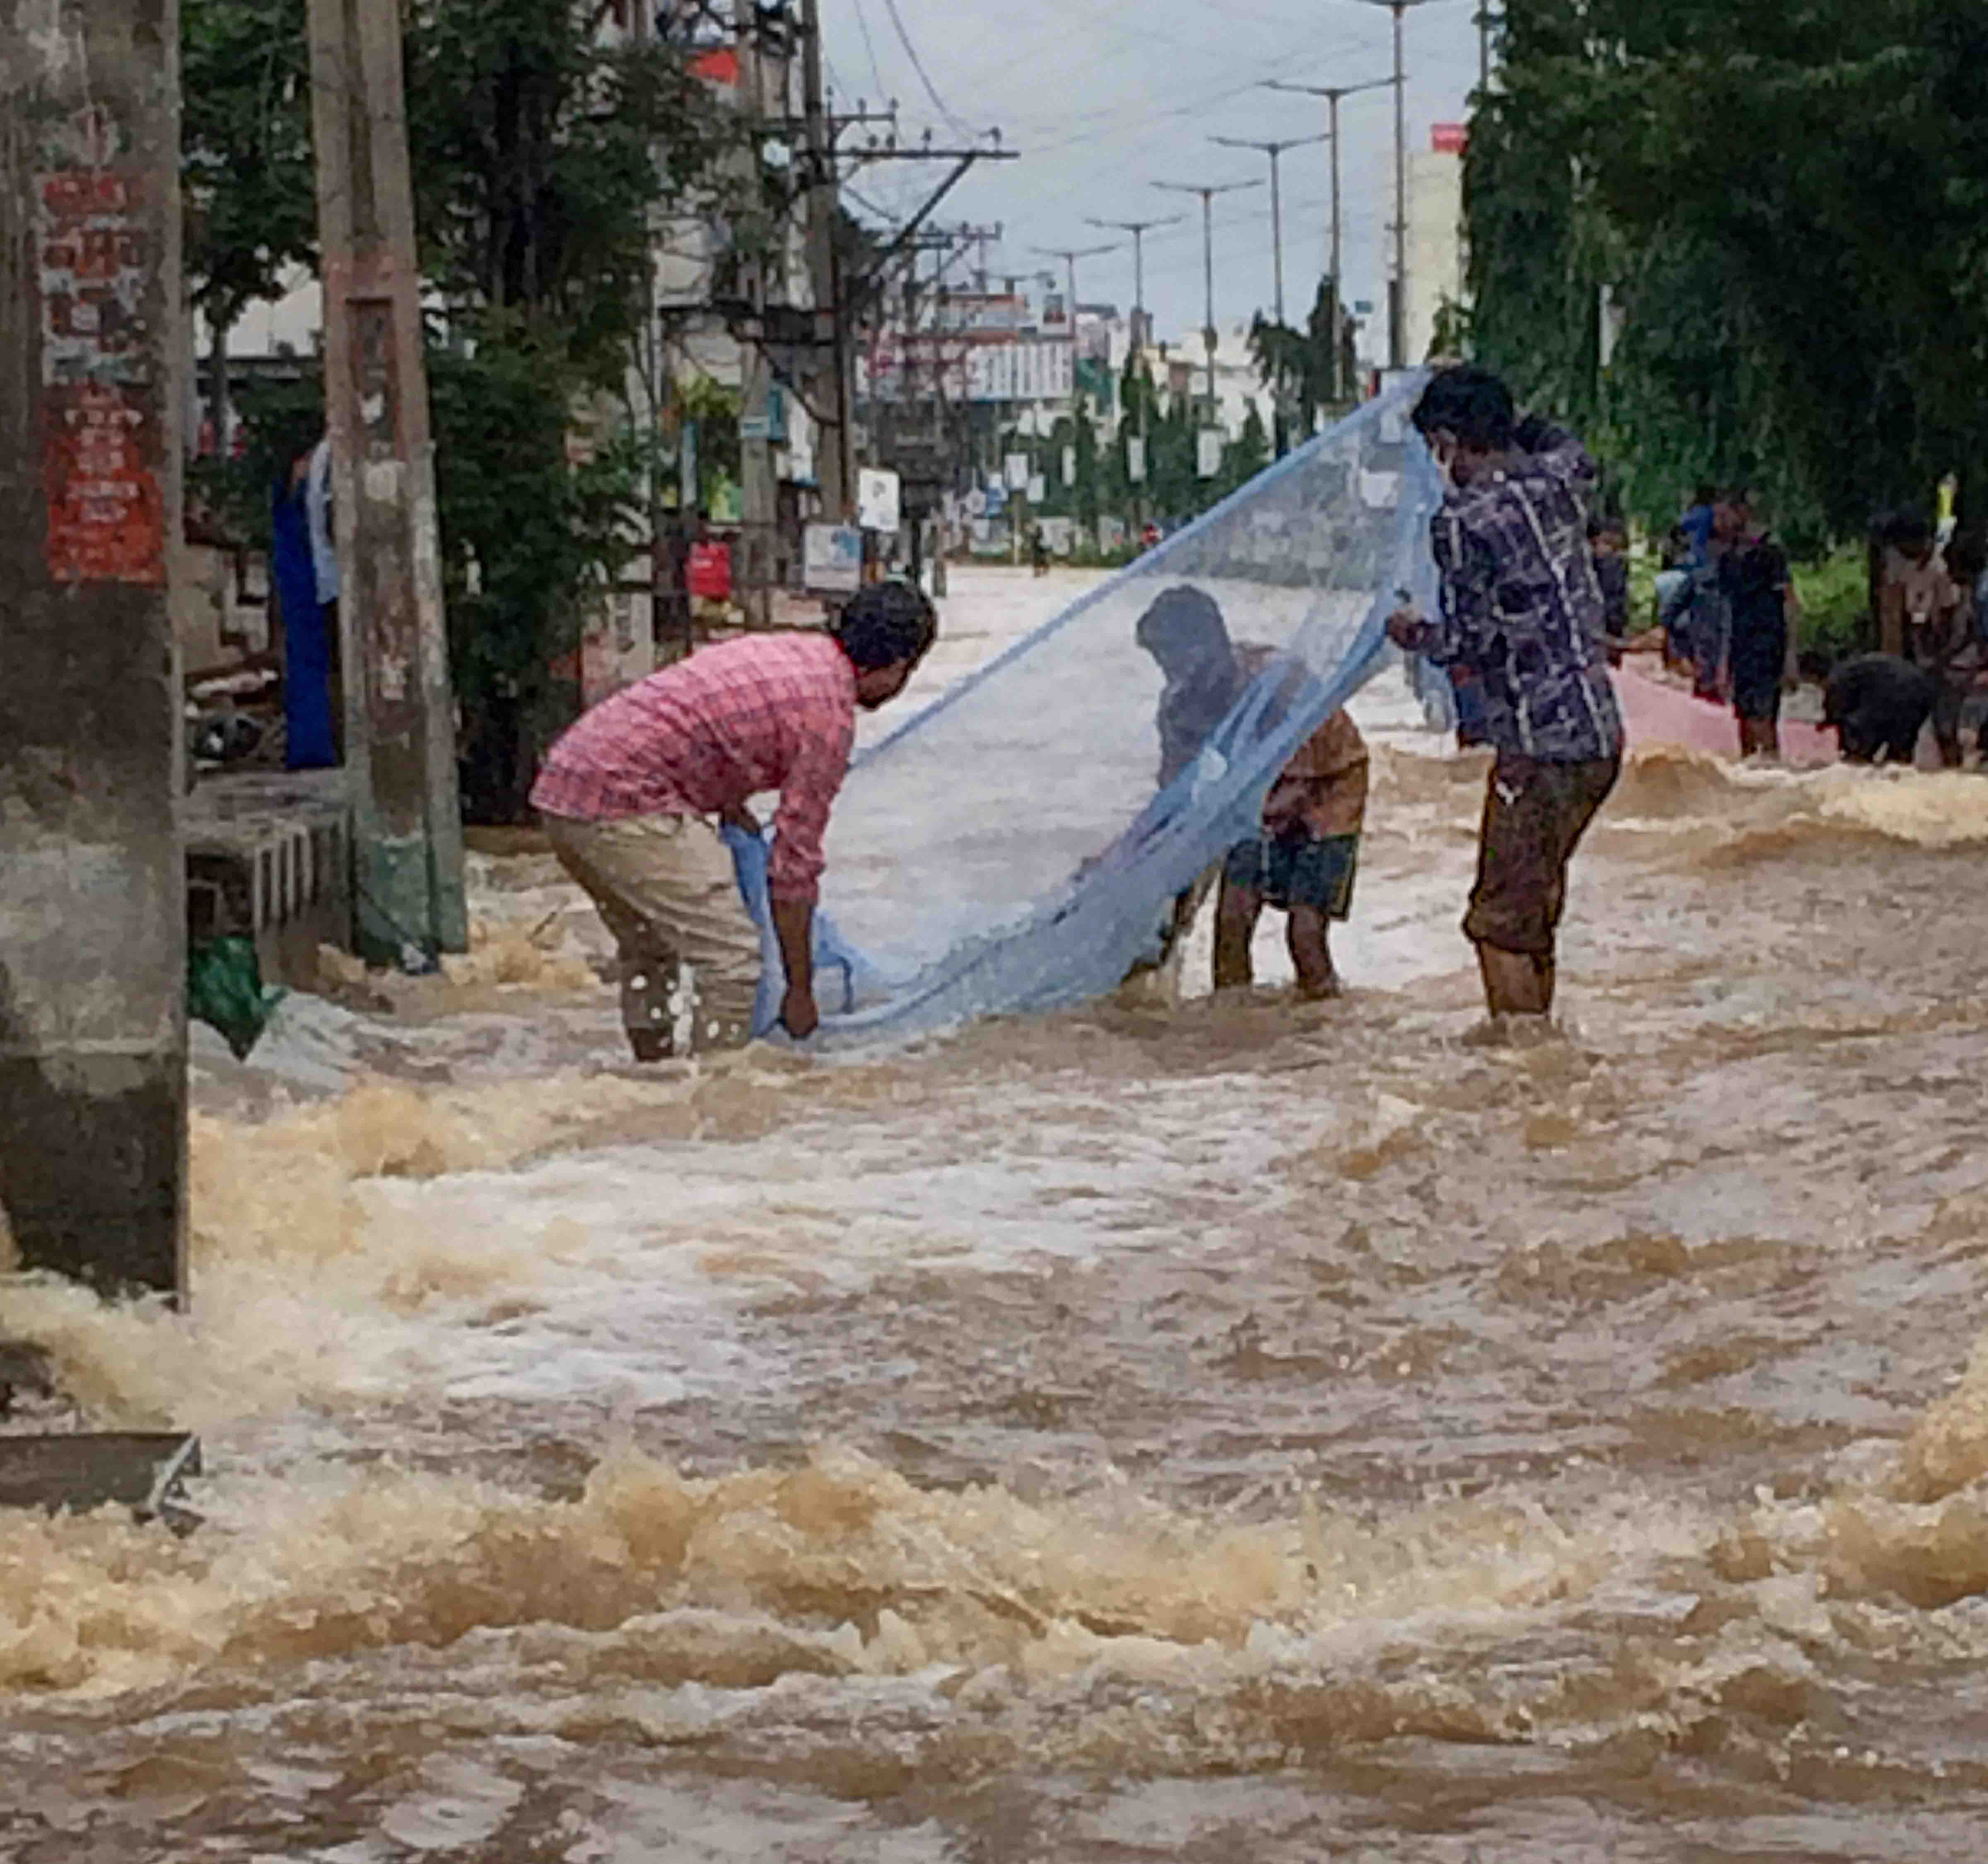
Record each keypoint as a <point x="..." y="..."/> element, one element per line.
<point x="835" y="462"/>
<point x="752" y="574"/>
<point x="400" y="732"/>
<point x="93" y="913"/>
<point x="1208" y="194"/>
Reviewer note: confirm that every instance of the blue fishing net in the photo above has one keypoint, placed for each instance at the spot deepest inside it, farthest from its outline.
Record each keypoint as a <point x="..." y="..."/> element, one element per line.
<point x="1018" y="844"/>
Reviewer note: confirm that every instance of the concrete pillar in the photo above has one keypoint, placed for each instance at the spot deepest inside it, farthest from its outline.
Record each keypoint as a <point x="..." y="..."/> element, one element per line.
<point x="93" y="1029"/>
<point x="408" y="853"/>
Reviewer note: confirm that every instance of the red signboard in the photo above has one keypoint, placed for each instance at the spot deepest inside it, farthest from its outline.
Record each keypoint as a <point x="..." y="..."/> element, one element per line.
<point x="107" y="515"/>
<point x="718" y="66"/>
<point x="1449" y="138"/>
<point x="709" y="572"/>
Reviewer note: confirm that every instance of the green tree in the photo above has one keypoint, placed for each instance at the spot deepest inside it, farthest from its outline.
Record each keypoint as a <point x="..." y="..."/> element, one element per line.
<point x="1792" y="234"/>
<point x="1246" y="455"/>
<point x="542" y="158"/>
<point x="246" y="177"/>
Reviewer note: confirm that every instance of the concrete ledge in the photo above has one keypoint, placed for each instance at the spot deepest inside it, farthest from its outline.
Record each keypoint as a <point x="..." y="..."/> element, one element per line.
<point x="268" y="857"/>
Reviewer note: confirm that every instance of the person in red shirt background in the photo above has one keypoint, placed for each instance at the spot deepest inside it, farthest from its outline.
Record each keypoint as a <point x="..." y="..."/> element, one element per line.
<point x="632" y="798"/>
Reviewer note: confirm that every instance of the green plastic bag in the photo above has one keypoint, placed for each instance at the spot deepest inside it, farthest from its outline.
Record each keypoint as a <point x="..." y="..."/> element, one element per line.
<point x="225" y="990"/>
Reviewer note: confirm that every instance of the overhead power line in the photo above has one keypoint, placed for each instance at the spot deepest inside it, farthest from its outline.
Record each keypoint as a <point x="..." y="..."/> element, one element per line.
<point x="918" y="66"/>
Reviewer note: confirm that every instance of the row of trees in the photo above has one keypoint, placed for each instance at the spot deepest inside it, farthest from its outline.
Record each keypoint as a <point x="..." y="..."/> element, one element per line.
<point x="1173" y="490"/>
<point x="1744" y="246"/>
<point x="1301" y="374"/>
<point x="541" y="157"/>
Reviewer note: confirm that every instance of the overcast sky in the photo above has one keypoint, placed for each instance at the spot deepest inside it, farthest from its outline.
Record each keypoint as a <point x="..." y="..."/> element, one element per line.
<point x="1105" y="97"/>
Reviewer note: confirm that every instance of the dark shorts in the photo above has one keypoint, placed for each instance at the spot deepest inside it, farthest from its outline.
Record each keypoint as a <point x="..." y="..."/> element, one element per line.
<point x="1756" y="697"/>
<point x="1535" y="815"/>
<point x="1297" y="871"/>
<point x="1759" y="659"/>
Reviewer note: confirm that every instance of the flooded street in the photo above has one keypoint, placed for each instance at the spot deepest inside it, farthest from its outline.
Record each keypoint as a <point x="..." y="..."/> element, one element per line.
<point x="1233" y="1431"/>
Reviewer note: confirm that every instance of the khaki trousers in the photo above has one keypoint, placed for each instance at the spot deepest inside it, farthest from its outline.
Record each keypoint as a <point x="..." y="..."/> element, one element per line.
<point x="666" y="888"/>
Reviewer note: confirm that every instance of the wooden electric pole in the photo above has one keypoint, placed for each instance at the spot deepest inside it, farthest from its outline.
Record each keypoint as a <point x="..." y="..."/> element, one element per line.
<point x="93" y="911"/>
<point x="400" y="723"/>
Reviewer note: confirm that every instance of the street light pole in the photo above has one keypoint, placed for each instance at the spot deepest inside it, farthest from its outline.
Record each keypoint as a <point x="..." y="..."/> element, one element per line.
<point x="1397" y="292"/>
<point x="1138" y="229"/>
<point x="1208" y="194"/>
<point x="1274" y="151"/>
<point x="1070" y="255"/>
<point x="1334" y="95"/>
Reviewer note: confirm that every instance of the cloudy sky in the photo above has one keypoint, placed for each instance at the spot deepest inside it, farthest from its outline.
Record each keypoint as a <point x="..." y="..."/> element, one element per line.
<point x="1105" y="97"/>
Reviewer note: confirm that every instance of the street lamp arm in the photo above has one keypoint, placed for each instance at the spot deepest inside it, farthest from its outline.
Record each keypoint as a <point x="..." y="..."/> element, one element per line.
<point x="1332" y="91"/>
<point x="1272" y="148"/>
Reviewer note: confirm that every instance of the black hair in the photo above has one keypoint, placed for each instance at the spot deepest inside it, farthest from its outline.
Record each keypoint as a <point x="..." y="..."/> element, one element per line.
<point x="883" y="622"/>
<point x="1904" y="530"/>
<point x="1814" y="664"/>
<point x="1183" y="628"/>
<point x="1471" y="403"/>
<point x="1966" y="556"/>
<point x="1704" y="493"/>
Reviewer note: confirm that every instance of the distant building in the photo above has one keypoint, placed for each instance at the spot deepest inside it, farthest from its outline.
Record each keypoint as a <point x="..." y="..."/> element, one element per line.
<point x="1435" y="237"/>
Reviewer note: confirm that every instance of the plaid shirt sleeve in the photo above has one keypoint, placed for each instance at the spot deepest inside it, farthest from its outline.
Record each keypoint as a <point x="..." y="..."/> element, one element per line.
<point x="794" y="871"/>
<point x="1455" y="636"/>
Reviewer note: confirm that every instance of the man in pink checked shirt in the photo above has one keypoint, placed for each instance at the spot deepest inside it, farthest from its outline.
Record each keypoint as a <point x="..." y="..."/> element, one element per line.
<point x="633" y="795"/>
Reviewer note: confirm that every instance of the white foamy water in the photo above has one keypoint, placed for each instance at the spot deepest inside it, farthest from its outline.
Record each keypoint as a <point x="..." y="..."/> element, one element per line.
<point x="1279" y="1431"/>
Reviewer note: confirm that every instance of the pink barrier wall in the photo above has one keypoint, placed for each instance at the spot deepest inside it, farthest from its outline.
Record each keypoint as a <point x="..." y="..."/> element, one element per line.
<point x="1657" y="714"/>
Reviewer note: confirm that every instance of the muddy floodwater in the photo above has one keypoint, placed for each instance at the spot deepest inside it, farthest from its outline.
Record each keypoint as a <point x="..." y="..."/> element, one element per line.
<point x="1227" y="1432"/>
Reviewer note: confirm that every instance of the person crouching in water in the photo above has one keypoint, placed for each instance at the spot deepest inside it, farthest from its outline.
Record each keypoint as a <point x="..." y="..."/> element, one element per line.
<point x="1305" y="858"/>
<point x="1521" y="606"/>
<point x="632" y="798"/>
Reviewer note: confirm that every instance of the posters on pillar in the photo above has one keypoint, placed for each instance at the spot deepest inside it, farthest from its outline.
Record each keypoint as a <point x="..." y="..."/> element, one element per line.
<point x="106" y="507"/>
<point x="1207" y="452"/>
<point x="1135" y="459"/>
<point x="832" y="558"/>
<point x="878" y="500"/>
<point x="1070" y="465"/>
<point x="1039" y="489"/>
<point x="1016" y="472"/>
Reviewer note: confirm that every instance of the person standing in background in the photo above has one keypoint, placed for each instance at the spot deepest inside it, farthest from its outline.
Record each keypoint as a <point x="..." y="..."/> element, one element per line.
<point x="312" y="699"/>
<point x="1759" y="596"/>
<point x="322" y="512"/>
<point x="1952" y="651"/>
<point x="1673" y="603"/>
<point x="1697" y="525"/>
<point x="1916" y="597"/>
<point x="1610" y="545"/>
